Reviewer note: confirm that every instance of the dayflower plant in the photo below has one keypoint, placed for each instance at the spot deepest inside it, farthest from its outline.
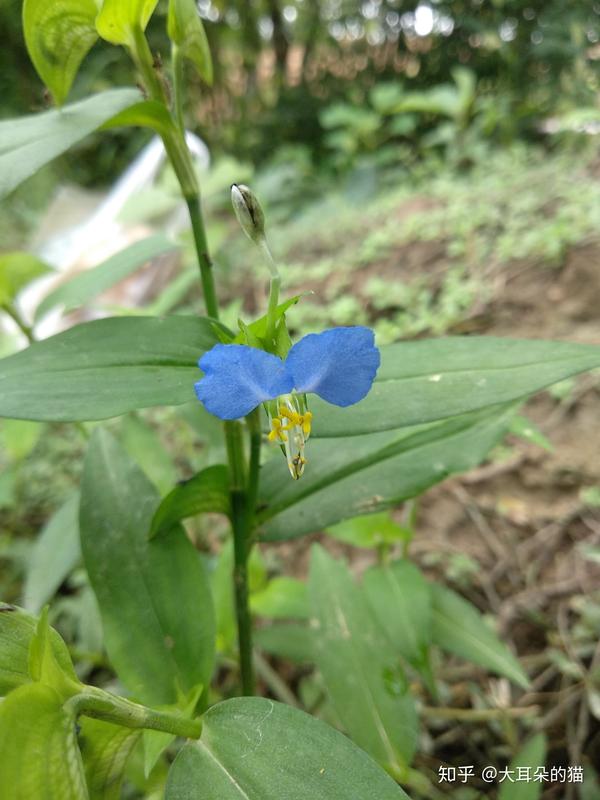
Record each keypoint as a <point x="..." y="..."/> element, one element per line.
<point x="338" y="365"/>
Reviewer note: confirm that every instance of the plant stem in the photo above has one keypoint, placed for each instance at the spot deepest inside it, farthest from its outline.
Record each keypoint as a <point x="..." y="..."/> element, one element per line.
<point x="25" y="329"/>
<point x="180" y="158"/>
<point x="177" y="63"/>
<point x="204" y="260"/>
<point x="97" y="703"/>
<point x="239" y="522"/>
<point x="274" y="287"/>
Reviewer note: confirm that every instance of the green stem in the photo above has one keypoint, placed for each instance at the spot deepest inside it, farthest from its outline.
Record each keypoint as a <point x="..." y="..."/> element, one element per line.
<point x="181" y="161"/>
<point x="26" y="329"/>
<point x="97" y="703"/>
<point x="274" y="287"/>
<point x="204" y="260"/>
<point x="239" y="523"/>
<point x="177" y="63"/>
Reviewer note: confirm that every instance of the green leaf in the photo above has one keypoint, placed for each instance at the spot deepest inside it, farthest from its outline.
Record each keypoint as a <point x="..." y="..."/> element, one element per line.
<point x="118" y="19"/>
<point x="147" y="114"/>
<point x="26" y="144"/>
<point x="16" y="271"/>
<point x="19" y="437"/>
<point x="258" y="328"/>
<point x="44" y="666"/>
<point x="255" y="748"/>
<point x="145" y="447"/>
<point x="282" y="598"/>
<point x="286" y="640"/>
<point x="39" y="757"/>
<point x="105" y="749"/>
<point x="89" y="284"/>
<point x="154" y="598"/>
<point x="17" y="630"/>
<point x="186" y="30"/>
<point x="55" y="554"/>
<point x="206" y="491"/>
<point x="369" y="473"/>
<point x="371" y="530"/>
<point x="104" y="368"/>
<point x="58" y="35"/>
<point x="531" y="756"/>
<point x="431" y="379"/>
<point x="368" y="690"/>
<point x="459" y="628"/>
<point x="400" y="599"/>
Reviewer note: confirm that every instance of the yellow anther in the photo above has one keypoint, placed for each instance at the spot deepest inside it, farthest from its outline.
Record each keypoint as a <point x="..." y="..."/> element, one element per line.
<point x="277" y="431"/>
<point x="306" y="423"/>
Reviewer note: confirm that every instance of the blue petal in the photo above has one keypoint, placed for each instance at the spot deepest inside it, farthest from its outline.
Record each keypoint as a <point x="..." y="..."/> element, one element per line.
<point x="339" y="365"/>
<point x="238" y="378"/>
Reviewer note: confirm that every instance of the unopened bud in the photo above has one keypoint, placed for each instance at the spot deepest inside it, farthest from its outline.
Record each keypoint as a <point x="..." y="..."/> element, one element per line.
<point x="248" y="211"/>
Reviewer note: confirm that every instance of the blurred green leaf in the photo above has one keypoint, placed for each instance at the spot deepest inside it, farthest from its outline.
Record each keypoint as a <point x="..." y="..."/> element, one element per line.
<point x="459" y="628"/>
<point x="154" y="598"/>
<point x="16" y="271"/>
<point x="27" y="143"/>
<point x="400" y="598"/>
<point x="55" y="553"/>
<point x="19" y="437"/>
<point x="345" y="477"/>
<point x="361" y="672"/>
<point x="206" y="491"/>
<point x="147" y="114"/>
<point x="281" y="598"/>
<point x="252" y="747"/>
<point x="89" y="284"/>
<point x="371" y="530"/>
<point x="118" y="19"/>
<point x="17" y="630"/>
<point x="145" y="447"/>
<point x="58" y="35"/>
<point x="525" y="429"/>
<point x="287" y="640"/>
<point x="186" y="30"/>
<point x="105" y="749"/>
<point x="39" y="756"/>
<point x="106" y="367"/>
<point x="531" y="756"/>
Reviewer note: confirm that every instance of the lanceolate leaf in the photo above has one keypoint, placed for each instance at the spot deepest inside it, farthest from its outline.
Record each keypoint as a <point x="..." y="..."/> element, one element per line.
<point x="400" y="598"/>
<point x="154" y="598"/>
<point x="147" y="114"/>
<point x="528" y="760"/>
<point x="368" y="691"/>
<point x="58" y="35"/>
<point x="459" y="628"/>
<point x="417" y="382"/>
<point x="39" y="757"/>
<point x="360" y="474"/>
<point x="118" y="19"/>
<point x="104" y="368"/>
<point x="187" y="32"/>
<point x="26" y="144"/>
<point x="55" y="554"/>
<point x="89" y="284"/>
<point x="206" y="491"/>
<point x="16" y="271"/>
<point x="255" y="749"/>
<point x="434" y="378"/>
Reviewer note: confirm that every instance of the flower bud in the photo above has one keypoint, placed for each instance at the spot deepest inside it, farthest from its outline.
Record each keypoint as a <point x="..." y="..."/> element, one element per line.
<point x="248" y="211"/>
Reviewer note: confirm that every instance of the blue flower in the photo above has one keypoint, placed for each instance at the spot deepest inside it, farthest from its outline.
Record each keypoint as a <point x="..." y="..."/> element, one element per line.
<point x="338" y="365"/>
